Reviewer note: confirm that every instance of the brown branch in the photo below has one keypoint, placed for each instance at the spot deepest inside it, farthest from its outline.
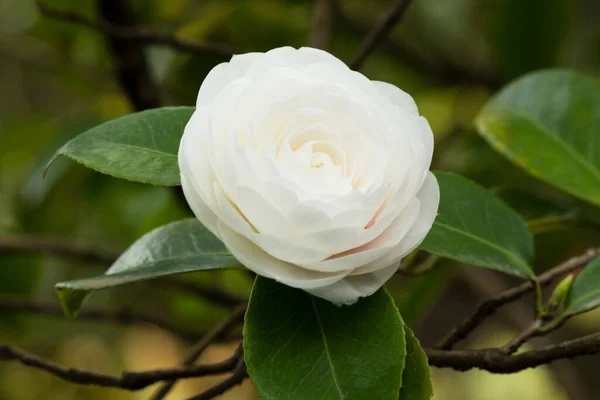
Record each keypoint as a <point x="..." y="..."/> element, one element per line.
<point x="141" y="35"/>
<point x="379" y="32"/>
<point x="121" y="317"/>
<point x="194" y="352"/>
<point x="63" y="248"/>
<point x="515" y="344"/>
<point x="489" y="307"/>
<point x="321" y="34"/>
<point x="55" y="247"/>
<point x="127" y="380"/>
<point x="494" y="360"/>
<point x="215" y="295"/>
<point x="131" y="67"/>
<point x="237" y="377"/>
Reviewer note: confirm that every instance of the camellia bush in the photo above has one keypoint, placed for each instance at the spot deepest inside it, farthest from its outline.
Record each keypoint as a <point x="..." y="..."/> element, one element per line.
<point x="316" y="181"/>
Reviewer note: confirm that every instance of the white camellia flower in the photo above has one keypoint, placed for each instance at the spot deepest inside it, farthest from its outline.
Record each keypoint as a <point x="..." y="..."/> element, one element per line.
<point x="310" y="173"/>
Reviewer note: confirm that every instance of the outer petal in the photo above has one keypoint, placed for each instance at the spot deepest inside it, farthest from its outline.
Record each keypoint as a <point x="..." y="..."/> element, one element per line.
<point x="348" y="290"/>
<point x="429" y="196"/>
<point x="222" y="74"/>
<point x="397" y="97"/>
<point x="254" y="258"/>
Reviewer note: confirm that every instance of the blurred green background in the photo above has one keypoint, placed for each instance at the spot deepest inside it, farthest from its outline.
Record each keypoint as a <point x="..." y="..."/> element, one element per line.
<point x="58" y="79"/>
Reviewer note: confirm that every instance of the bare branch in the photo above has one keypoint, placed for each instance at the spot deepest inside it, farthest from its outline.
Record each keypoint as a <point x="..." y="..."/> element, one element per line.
<point x="194" y="352"/>
<point x="55" y="247"/>
<point x="132" y="71"/>
<point x="494" y="360"/>
<point x="141" y="35"/>
<point x="64" y="248"/>
<point x="237" y="377"/>
<point x="522" y="338"/>
<point x="379" y="32"/>
<point x="127" y="380"/>
<point x="321" y="33"/>
<point x="121" y="317"/>
<point x="489" y="307"/>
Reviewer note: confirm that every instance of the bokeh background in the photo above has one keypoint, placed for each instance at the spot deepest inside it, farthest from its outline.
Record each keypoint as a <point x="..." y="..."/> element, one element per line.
<point x="57" y="79"/>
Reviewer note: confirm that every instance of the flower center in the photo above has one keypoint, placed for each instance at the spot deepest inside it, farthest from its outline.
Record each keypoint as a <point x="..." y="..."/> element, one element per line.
<point x="318" y="160"/>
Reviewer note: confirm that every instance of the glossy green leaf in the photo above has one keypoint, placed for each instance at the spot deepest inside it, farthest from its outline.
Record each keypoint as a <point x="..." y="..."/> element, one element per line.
<point x="547" y="123"/>
<point x="297" y="346"/>
<point x="476" y="228"/>
<point x="178" y="247"/>
<point x="140" y="147"/>
<point x="416" y="378"/>
<point x="541" y="212"/>
<point x="584" y="294"/>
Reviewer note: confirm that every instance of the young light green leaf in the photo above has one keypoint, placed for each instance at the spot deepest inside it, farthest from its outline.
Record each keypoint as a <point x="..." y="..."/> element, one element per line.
<point x="584" y="294"/>
<point x="178" y="247"/>
<point x="560" y="293"/>
<point x="416" y="378"/>
<point x="476" y="228"/>
<point x="140" y="147"/>
<point x="297" y="346"/>
<point x="547" y="123"/>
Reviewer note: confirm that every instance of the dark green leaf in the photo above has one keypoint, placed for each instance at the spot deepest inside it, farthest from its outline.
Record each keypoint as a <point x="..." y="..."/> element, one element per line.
<point x="140" y="147"/>
<point x="541" y="212"/>
<point x="416" y="378"/>
<point x="182" y="246"/>
<point x="547" y="123"/>
<point x="476" y="228"/>
<point x="297" y="346"/>
<point x="585" y="291"/>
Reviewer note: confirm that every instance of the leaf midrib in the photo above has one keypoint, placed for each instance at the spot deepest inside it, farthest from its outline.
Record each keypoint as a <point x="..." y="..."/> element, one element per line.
<point x="140" y="148"/>
<point x="510" y="255"/>
<point x="335" y="381"/>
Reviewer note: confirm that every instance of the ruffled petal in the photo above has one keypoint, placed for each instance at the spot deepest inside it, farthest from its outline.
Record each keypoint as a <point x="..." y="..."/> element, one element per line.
<point x="348" y="290"/>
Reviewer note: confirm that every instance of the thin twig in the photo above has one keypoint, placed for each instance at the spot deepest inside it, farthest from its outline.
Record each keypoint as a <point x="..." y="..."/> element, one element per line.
<point x="62" y="247"/>
<point x="321" y="34"/>
<point x="194" y="352"/>
<point x="237" y="377"/>
<point x="491" y="360"/>
<point x="122" y="316"/>
<point x="139" y="34"/>
<point x="489" y="307"/>
<point x="56" y="247"/>
<point x="132" y="70"/>
<point x="127" y="380"/>
<point x="379" y="32"/>
<point x="522" y="338"/>
<point x="494" y="360"/>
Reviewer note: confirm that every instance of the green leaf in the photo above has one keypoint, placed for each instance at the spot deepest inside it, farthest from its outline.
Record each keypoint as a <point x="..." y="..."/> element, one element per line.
<point x="547" y="123"/>
<point x="140" y="147"/>
<point x="541" y="212"/>
<point x="178" y="247"/>
<point x="585" y="290"/>
<point x="297" y="346"/>
<point x="416" y="378"/>
<point x="476" y="228"/>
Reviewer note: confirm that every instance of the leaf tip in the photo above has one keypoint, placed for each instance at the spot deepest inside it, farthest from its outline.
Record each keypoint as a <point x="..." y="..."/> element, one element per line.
<point x="71" y="300"/>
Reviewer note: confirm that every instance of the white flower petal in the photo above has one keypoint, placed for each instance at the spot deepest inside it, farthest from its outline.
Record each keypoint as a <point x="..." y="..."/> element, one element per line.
<point x="397" y="96"/>
<point x="348" y="290"/>
<point x="429" y="196"/>
<point x="254" y="258"/>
